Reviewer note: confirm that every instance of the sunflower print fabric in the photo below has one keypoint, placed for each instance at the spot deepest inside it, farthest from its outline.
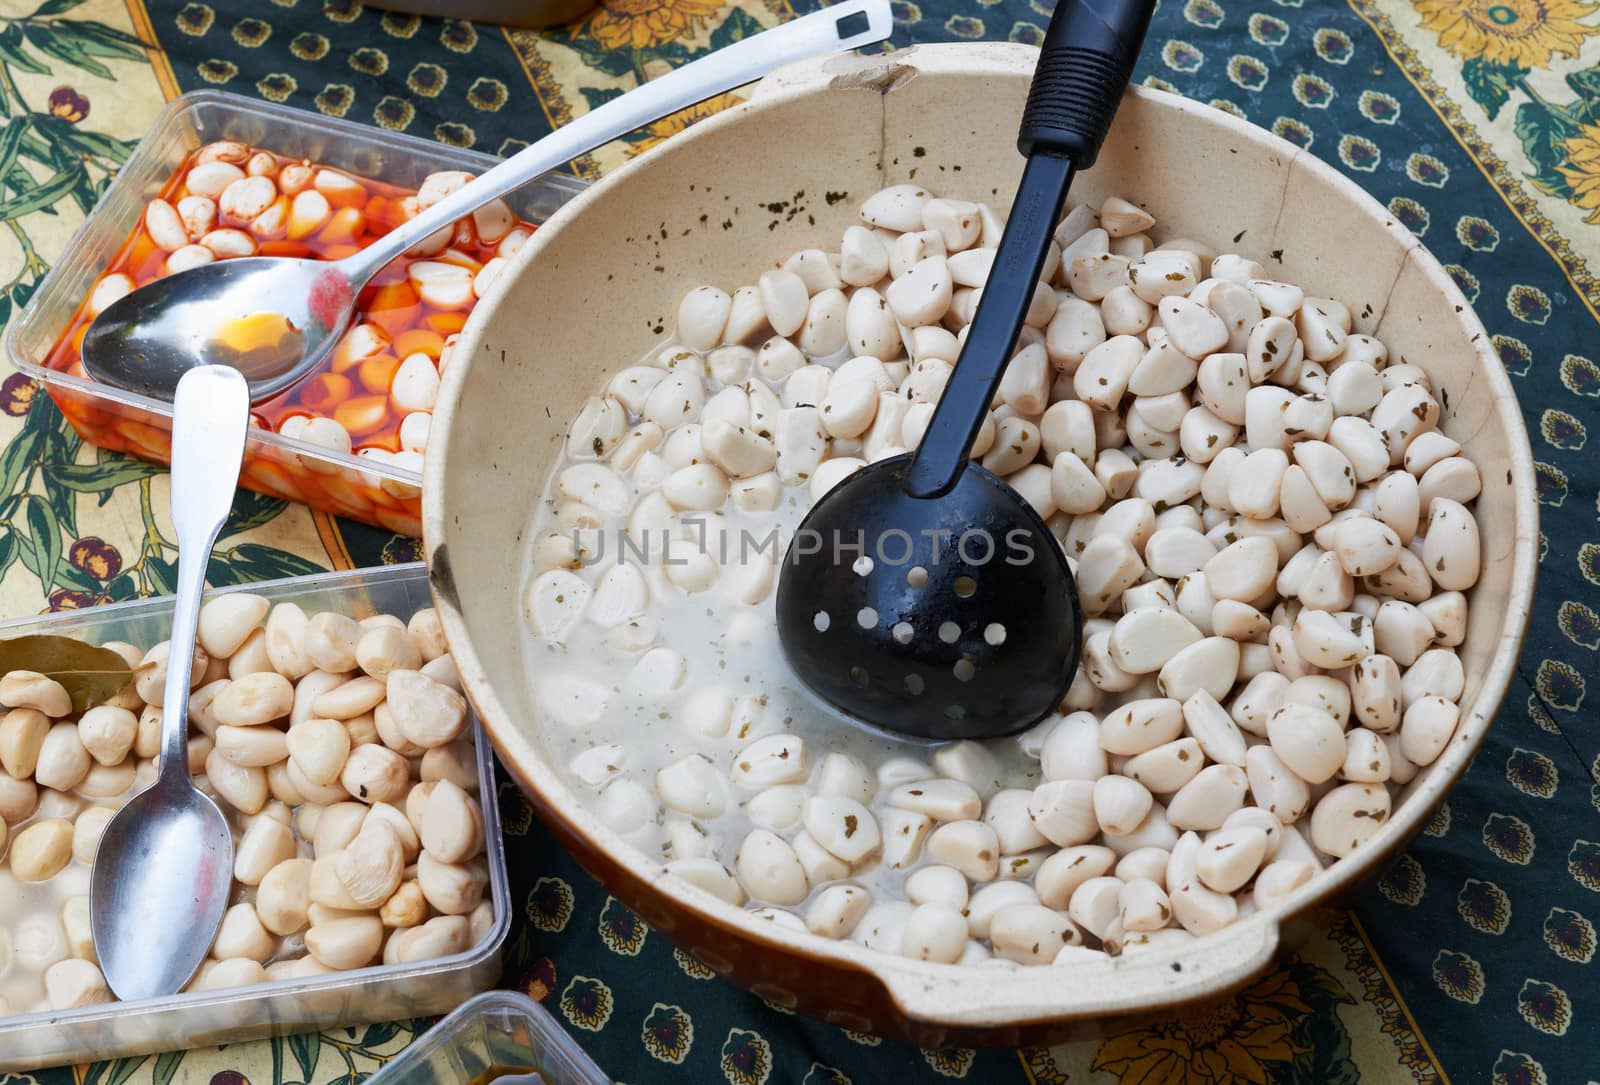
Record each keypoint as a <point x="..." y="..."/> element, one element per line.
<point x="1525" y="33"/>
<point x="643" y="24"/>
<point x="1475" y="122"/>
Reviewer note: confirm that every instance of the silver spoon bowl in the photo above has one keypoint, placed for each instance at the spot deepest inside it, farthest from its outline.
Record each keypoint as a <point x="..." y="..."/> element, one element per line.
<point x="146" y="340"/>
<point x="164" y="865"/>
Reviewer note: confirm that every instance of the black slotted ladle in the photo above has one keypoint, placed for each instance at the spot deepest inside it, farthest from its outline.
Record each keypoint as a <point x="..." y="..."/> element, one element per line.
<point x="922" y="595"/>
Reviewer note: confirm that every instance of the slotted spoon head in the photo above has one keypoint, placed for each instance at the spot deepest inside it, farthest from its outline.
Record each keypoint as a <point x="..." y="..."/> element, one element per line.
<point x="937" y="618"/>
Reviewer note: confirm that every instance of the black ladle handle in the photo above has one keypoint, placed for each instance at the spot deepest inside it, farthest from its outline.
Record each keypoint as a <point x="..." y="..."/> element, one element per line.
<point x="1084" y="66"/>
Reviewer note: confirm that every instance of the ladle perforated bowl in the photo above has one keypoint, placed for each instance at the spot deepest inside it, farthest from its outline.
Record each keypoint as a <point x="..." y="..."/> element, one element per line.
<point x="958" y="621"/>
<point x="583" y="299"/>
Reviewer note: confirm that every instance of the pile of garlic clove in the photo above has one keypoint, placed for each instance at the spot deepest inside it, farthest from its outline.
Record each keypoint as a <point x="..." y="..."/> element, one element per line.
<point x="1271" y="537"/>
<point x="341" y="751"/>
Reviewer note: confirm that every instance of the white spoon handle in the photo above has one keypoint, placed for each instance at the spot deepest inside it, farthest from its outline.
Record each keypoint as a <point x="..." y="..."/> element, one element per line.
<point x="847" y="25"/>
<point x="210" y="419"/>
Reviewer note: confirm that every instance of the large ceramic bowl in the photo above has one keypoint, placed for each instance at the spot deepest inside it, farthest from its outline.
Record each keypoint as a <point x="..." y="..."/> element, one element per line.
<point x="591" y="293"/>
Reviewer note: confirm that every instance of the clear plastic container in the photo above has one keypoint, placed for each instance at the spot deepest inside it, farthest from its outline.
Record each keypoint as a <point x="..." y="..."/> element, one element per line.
<point x="379" y="993"/>
<point x="500" y="1031"/>
<point x="346" y="485"/>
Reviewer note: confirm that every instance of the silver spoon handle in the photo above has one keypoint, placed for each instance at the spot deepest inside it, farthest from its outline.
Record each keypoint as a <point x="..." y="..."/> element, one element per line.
<point x="847" y="25"/>
<point x="210" y="419"/>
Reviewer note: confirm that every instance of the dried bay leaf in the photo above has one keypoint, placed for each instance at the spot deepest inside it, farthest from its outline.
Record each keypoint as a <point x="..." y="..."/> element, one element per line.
<point x="90" y="675"/>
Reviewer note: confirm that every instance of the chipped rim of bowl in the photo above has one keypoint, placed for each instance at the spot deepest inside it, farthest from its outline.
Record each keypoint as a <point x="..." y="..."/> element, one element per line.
<point x="1009" y="996"/>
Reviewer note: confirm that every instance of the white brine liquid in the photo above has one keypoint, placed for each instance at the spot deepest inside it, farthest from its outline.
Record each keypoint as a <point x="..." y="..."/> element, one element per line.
<point x="725" y="645"/>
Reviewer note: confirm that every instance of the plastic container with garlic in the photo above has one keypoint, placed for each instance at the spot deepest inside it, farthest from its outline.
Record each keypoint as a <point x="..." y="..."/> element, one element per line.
<point x="1271" y="540"/>
<point x="432" y="940"/>
<point x="274" y="180"/>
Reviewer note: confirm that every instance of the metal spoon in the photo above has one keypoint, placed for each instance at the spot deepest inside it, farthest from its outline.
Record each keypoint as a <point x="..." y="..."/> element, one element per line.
<point x="923" y="595"/>
<point x="146" y="340"/>
<point x="164" y="866"/>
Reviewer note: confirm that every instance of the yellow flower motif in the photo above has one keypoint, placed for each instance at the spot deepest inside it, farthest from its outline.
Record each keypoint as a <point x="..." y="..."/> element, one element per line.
<point x="1230" y="1041"/>
<point x="639" y="24"/>
<point x="658" y="131"/>
<point x="1525" y="32"/>
<point x="1582" y="170"/>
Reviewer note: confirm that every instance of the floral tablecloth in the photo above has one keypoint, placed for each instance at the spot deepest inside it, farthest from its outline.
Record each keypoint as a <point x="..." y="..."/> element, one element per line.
<point x="1476" y="121"/>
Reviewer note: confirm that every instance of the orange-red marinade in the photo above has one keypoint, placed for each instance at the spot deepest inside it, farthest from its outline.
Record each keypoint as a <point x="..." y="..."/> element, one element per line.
<point x="353" y="387"/>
